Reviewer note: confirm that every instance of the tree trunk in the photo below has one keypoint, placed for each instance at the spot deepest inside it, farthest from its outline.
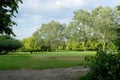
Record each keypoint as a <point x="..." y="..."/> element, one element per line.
<point x="47" y="48"/>
<point x="85" y="41"/>
<point x="56" y="45"/>
<point x="56" y="49"/>
<point x="104" y="42"/>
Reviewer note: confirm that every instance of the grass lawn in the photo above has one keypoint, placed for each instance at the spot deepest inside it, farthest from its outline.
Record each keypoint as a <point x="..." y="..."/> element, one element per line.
<point x="42" y="60"/>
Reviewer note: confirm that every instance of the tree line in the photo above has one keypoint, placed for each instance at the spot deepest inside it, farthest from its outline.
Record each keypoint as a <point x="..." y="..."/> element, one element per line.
<point x="88" y="30"/>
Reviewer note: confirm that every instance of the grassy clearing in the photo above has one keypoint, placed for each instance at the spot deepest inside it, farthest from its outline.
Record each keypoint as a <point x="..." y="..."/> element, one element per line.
<point x="43" y="60"/>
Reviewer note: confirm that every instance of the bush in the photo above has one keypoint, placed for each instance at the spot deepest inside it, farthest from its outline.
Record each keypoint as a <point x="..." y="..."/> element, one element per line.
<point x="77" y="49"/>
<point x="104" y="66"/>
<point x="116" y="38"/>
<point x="8" y="44"/>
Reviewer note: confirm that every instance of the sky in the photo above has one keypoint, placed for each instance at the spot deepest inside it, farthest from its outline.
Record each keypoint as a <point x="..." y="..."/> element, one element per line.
<point x="33" y="13"/>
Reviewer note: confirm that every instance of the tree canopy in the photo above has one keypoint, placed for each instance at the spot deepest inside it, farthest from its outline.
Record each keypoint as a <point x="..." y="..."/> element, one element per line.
<point x="86" y="31"/>
<point x="7" y="10"/>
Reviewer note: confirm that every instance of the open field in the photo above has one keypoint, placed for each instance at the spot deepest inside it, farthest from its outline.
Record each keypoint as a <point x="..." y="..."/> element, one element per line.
<point x="42" y="60"/>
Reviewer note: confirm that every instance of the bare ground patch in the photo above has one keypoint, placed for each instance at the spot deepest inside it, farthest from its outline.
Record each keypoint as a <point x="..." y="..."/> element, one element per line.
<point x="46" y="74"/>
<point x="59" y="58"/>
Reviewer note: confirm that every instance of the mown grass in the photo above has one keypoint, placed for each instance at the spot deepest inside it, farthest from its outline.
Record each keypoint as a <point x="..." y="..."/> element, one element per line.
<point x="42" y="60"/>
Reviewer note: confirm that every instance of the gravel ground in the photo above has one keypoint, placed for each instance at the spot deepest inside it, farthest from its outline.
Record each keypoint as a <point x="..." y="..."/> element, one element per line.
<point x="46" y="74"/>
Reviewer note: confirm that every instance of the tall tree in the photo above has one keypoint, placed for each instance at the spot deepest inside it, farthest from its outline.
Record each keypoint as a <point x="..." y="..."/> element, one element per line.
<point x="7" y="9"/>
<point x="116" y="37"/>
<point x="50" y="34"/>
<point x="103" y="22"/>
<point x="81" y="24"/>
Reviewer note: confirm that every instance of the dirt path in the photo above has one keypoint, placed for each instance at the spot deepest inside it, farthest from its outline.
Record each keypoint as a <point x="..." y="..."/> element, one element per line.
<point x="47" y="74"/>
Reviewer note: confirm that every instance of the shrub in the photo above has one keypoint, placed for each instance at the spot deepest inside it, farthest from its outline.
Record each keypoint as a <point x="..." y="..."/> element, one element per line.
<point x="104" y="66"/>
<point x="8" y="44"/>
<point x="116" y="38"/>
<point x="77" y="49"/>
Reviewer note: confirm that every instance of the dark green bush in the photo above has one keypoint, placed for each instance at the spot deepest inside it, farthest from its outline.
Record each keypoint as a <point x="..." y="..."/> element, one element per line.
<point x="8" y="44"/>
<point x="116" y="38"/>
<point x="104" y="66"/>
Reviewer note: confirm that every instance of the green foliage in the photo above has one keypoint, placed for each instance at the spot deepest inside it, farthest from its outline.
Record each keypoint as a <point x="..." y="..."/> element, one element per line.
<point x="103" y="22"/>
<point x="116" y="37"/>
<point x="7" y="9"/>
<point x="49" y="36"/>
<point x="27" y="44"/>
<point x="8" y="44"/>
<point x="80" y="26"/>
<point x="88" y="31"/>
<point x="104" y="66"/>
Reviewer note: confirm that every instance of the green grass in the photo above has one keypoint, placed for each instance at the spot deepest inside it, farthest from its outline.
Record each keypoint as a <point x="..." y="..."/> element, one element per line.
<point x="42" y="60"/>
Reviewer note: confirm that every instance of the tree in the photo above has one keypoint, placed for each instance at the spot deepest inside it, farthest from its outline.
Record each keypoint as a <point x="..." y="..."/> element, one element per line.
<point x="80" y="26"/>
<point x="29" y="44"/>
<point x="116" y="37"/>
<point x="103" y="23"/>
<point x="49" y="35"/>
<point x="8" y="44"/>
<point x="7" y="9"/>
